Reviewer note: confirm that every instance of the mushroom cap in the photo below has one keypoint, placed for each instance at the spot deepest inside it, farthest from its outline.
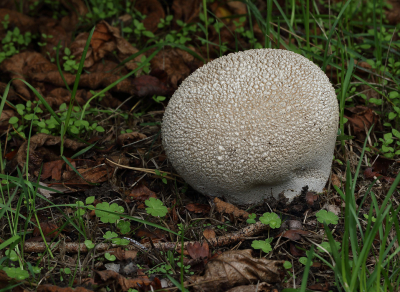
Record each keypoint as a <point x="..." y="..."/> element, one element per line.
<point x="253" y="124"/>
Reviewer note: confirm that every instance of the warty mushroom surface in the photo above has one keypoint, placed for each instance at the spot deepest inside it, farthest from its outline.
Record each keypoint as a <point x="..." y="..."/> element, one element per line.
<point x="252" y="124"/>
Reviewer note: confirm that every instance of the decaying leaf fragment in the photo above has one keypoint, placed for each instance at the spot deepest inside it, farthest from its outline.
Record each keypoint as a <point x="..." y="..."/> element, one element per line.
<point x="238" y="267"/>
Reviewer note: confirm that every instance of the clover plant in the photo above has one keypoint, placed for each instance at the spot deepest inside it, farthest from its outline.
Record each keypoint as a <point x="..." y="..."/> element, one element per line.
<point x="324" y="216"/>
<point x="156" y="207"/>
<point x="251" y="219"/>
<point x="264" y="245"/>
<point x="111" y="216"/>
<point x="271" y="219"/>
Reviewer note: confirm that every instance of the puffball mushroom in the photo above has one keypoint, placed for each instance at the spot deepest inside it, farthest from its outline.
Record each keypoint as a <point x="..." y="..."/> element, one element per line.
<point x="252" y="124"/>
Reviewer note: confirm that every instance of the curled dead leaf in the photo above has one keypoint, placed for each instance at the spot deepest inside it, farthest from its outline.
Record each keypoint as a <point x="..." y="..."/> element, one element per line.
<point x="224" y="207"/>
<point x="238" y="267"/>
<point x="197" y="250"/>
<point x="39" y="140"/>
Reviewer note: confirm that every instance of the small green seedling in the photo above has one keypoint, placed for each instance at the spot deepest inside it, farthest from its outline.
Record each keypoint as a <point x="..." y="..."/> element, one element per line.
<point x="107" y="217"/>
<point x="89" y="244"/>
<point x="156" y="207"/>
<point x="70" y="65"/>
<point x="158" y="99"/>
<point x="287" y="265"/>
<point x="303" y="260"/>
<point x="124" y="226"/>
<point x="264" y="245"/>
<point x="373" y="219"/>
<point x="324" y="216"/>
<point x="66" y="271"/>
<point x="110" y="257"/>
<point x="271" y="219"/>
<point x="12" y="255"/>
<point x="162" y="175"/>
<point x="251" y="219"/>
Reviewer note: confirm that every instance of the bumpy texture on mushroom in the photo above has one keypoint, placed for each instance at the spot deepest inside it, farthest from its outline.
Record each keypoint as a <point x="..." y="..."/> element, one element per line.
<point x="251" y="124"/>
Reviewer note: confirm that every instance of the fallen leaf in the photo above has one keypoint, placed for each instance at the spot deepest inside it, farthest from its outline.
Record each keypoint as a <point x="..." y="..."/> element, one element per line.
<point x="237" y="267"/>
<point x="198" y="208"/>
<point x="197" y="250"/>
<point x="361" y="118"/>
<point x="294" y="234"/>
<point x="37" y="141"/>
<point x="311" y="198"/>
<point x="369" y="174"/>
<point x="333" y="208"/>
<point x="261" y="287"/>
<point x="185" y="10"/>
<point x="153" y="11"/>
<point x="140" y="193"/>
<point x="227" y="208"/>
<point x="126" y="284"/>
<point x="336" y="181"/>
<point x="127" y="138"/>
<point x="48" y="229"/>
<point x="295" y="251"/>
<point x="319" y="287"/>
<point x="209" y="233"/>
<point x="54" y="288"/>
<point x="177" y="63"/>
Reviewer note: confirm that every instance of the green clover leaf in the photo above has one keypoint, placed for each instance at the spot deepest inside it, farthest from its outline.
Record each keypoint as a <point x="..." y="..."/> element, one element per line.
<point x="324" y="216"/>
<point x="271" y="219"/>
<point x="287" y="265"/>
<point x="156" y="207"/>
<point x="110" y="257"/>
<point x="89" y="244"/>
<point x="16" y="273"/>
<point x="124" y="226"/>
<point x="107" y="217"/>
<point x="110" y="235"/>
<point x="251" y="219"/>
<point x="264" y="245"/>
<point x="327" y="246"/>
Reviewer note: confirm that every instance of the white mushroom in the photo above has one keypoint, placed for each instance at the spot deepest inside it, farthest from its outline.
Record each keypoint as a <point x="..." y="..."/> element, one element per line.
<point x="251" y="124"/>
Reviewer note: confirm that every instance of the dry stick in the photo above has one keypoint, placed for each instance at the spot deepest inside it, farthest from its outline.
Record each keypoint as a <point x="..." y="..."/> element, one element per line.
<point x="73" y="247"/>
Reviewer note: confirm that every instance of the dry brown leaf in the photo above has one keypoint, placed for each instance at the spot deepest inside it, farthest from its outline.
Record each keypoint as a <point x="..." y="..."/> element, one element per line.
<point x="121" y="254"/>
<point x="185" y="10"/>
<point x="227" y="208"/>
<point x="77" y="9"/>
<point x="156" y="235"/>
<point x="124" y="283"/>
<point x="177" y="64"/>
<point x="294" y="234"/>
<point x="48" y="229"/>
<point x="209" y="233"/>
<point x="234" y="268"/>
<point x="262" y="287"/>
<point x="52" y="169"/>
<point x="146" y="85"/>
<point x="369" y="174"/>
<point x="393" y="15"/>
<point x="311" y="198"/>
<point x="53" y="288"/>
<point x="336" y="181"/>
<point x="295" y="251"/>
<point x="36" y="142"/>
<point x="17" y="19"/>
<point x="140" y="193"/>
<point x="197" y="250"/>
<point x="153" y="11"/>
<point x="361" y="118"/>
<point x="127" y="138"/>
<point x="198" y="208"/>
